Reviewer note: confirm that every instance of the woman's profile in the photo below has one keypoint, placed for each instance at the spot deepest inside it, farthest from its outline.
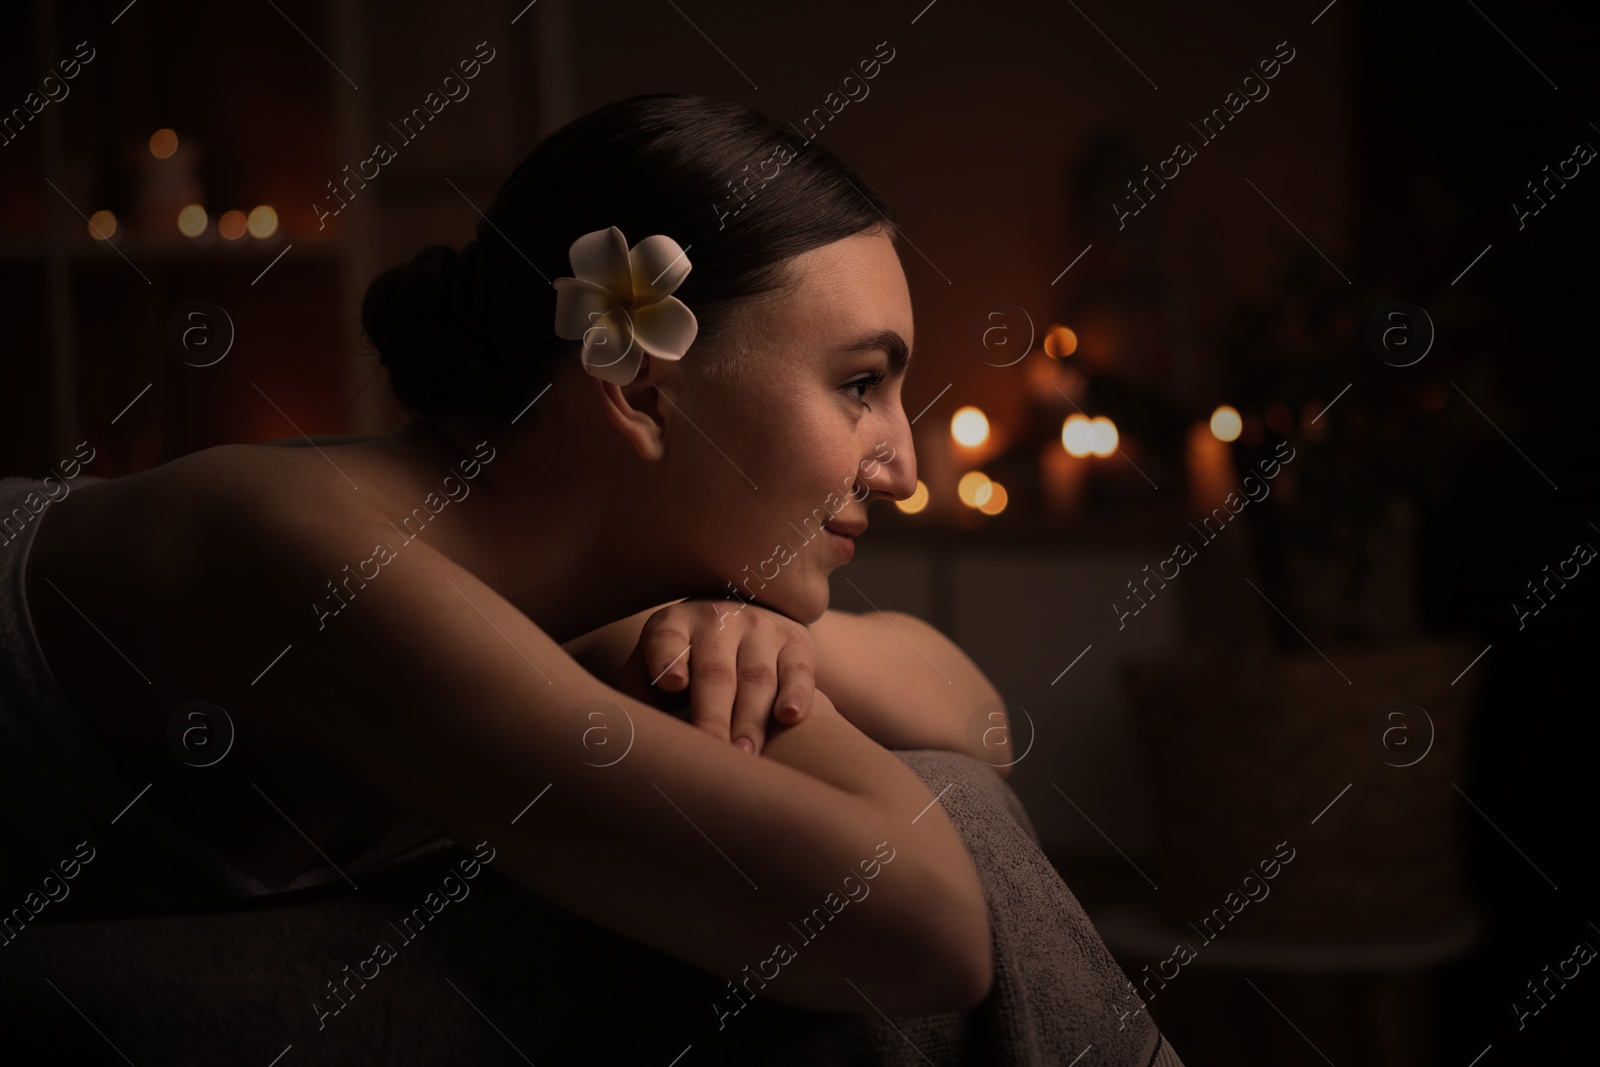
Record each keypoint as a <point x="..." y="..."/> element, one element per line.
<point x="645" y="432"/>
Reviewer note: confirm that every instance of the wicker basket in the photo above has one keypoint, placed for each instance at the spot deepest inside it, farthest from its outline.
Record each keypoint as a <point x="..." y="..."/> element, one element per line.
<point x="1244" y="753"/>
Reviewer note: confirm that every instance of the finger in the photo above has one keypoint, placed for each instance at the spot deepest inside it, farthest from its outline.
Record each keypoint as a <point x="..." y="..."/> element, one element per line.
<point x="666" y="656"/>
<point x="713" y="682"/>
<point x="797" y="684"/>
<point x="635" y="682"/>
<point x="758" y="686"/>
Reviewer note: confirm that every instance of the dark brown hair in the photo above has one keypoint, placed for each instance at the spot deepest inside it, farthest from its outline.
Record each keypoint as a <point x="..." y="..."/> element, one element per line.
<point x="471" y="332"/>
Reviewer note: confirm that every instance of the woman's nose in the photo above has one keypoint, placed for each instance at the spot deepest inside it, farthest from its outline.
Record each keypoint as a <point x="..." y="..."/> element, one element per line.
<point x="891" y="468"/>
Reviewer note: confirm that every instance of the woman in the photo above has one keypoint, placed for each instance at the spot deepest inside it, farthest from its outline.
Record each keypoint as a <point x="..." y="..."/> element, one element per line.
<point x="633" y="388"/>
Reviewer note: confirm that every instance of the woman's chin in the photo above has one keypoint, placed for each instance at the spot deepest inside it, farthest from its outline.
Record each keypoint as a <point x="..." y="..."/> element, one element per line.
<point x="799" y="593"/>
<point x="817" y="605"/>
<point x="804" y="603"/>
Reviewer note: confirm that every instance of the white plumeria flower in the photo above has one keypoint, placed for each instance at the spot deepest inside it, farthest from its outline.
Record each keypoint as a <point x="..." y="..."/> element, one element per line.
<point x="619" y="303"/>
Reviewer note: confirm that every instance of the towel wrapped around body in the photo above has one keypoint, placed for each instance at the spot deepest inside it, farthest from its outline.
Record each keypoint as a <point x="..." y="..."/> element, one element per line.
<point x="502" y="976"/>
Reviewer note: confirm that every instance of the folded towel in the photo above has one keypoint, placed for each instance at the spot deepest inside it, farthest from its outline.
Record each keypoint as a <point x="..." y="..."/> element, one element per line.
<point x="501" y="976"/>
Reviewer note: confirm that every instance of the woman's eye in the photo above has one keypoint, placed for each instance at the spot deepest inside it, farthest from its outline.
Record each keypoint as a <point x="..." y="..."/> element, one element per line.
<point x="871" y="381"/>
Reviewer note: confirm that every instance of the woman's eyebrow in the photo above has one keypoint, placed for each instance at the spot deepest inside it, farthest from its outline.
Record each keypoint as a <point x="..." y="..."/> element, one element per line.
<point x="891" y="343"/>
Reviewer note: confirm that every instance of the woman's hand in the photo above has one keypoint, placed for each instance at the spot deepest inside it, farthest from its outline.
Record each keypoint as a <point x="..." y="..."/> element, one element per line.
<point x="738" y="665"/>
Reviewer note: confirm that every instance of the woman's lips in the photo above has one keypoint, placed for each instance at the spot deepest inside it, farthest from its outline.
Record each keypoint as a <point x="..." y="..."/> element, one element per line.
<point x="847" y="545"/>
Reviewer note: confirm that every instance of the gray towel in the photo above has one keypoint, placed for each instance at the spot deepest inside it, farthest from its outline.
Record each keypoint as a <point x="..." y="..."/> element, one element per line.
<point x="1058" y="997"/>
<point x="501" y="976"/>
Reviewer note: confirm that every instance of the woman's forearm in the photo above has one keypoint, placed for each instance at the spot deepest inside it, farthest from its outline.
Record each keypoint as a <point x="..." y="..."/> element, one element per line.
<point x="603" y="651"/>
<point x="894" y="677"/>
<point x="904" y="684"/>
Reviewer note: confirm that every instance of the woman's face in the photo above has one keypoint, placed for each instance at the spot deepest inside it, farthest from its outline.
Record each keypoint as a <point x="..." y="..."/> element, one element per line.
<point x="801" y="434"/>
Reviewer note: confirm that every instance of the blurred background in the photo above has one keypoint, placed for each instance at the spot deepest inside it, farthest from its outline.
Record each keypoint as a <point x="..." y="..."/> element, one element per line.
<point x="1236" y="477"/>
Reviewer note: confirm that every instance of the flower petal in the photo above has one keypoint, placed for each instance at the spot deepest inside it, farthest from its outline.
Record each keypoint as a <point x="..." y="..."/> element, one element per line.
<point x="601" y="257"/>
<point x="579" y="304"/>
<point x="610" y="352"/>
<point x="659" y="266"/>
<point x="665" y="328"/>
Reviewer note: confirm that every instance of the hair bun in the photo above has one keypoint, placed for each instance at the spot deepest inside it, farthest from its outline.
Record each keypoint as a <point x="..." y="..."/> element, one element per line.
<point x="471" y="335"/>
<point x="411" y="314"/>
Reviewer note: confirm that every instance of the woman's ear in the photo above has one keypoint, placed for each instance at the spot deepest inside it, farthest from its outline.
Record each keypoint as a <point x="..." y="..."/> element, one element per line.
<point x="633" y="408"/>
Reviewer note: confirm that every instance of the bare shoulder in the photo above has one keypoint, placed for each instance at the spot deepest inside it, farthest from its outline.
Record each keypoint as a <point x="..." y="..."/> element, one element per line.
<point x="193" y="564"/>
<point x="169" y="512"/>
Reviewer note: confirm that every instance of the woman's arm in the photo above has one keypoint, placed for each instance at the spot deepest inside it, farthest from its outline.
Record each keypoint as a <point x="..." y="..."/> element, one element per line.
<point x="906" y="685"/>
<point x="896" y="678"/>
<point x="603" y="651"/>
<point x="444" y="696"/>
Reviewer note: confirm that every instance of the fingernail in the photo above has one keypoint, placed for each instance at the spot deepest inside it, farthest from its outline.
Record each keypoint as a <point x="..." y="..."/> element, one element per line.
<point x="744" y="743"/>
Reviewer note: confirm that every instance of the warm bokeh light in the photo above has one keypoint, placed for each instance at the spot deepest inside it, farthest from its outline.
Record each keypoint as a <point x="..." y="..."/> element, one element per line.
<point x="997" y="500"/>
<point x="1226" y="424"/>
<point x="1105" y="435"/>
<point x="916" y="501"/>
<point x="231" y="225"/>
<point x="969" y="427"/>
<point x="1077" y="436"/>
<point x="192" y="221"/>
<point x="263" y="221"/>
<point x="973" y="489"/>
<point x="1060" y="342"/>
<point x="163" y="143"/>
<point x="102" y="224"/>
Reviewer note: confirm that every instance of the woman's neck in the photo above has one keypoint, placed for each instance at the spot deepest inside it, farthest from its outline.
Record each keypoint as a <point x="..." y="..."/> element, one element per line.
<point x="534" y="524"/>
